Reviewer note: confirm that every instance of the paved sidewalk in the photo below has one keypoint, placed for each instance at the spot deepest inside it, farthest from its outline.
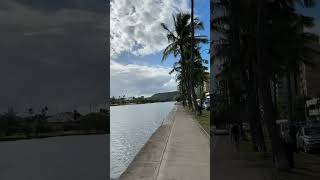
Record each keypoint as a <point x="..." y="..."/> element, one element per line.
<point x="178" y="150"/>
<point x="187" y="155"/>
<point x="227" y="164"/>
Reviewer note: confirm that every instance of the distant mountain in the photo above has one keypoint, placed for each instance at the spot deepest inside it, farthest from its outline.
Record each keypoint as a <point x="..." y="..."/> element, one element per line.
<point x="162" y="97"/>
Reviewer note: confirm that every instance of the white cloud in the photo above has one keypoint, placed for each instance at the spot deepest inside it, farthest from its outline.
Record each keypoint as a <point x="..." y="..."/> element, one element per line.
<point x="135" y="25"/>
<point x="137" y="80"/>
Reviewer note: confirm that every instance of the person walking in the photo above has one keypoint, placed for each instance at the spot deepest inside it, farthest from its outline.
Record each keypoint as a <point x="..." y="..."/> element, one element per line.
<point x="289" y="147"/>
<point x="235" y="135"/>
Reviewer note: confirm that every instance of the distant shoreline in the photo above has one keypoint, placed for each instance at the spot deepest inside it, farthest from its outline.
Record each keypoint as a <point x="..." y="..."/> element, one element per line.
<point x="139" y="103"/>
<point x="49" y="135"/>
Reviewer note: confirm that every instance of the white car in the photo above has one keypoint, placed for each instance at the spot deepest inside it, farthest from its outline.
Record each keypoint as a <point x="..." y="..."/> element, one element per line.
<point x="206" y="105"/>
<point x="308" y="138"/>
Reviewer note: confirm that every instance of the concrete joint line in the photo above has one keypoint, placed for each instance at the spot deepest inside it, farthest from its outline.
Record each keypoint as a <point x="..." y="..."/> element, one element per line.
<point x="164" y="149"/>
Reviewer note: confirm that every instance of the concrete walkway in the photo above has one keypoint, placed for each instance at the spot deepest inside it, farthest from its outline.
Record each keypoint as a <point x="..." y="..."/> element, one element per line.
<point x="187" y="155"/>
<point x="178" y="150"/>
<point x="228" y="164"/>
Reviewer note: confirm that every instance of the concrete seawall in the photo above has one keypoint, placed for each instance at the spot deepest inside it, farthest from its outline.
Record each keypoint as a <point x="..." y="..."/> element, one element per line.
<point x="147" y="162"/>
<point x="178" y="150"/>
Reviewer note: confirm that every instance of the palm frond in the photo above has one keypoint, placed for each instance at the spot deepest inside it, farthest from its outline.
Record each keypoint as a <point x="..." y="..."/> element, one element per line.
<point x="170" y="49"/>
<point x="164" y="26"/>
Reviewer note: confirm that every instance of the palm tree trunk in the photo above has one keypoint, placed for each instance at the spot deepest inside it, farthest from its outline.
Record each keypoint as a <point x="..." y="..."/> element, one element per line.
<point x="191" y="81"/>
<point x="235" y="55"/>
<point x="186" y="77"/>
<point x="254" y="112"/>
<point x="279" y="156"/>
<point x="193" y="97"/>
<point x="188" y="94"/>
<point x="257" y="120"/>
<point x="235" y="28"/>
<point x="201" y="100"/>
<point x="190" y="101"/>
<point x="291" y="107"/>
<point x="275" y="99"/>
<point x="289" y="91"/>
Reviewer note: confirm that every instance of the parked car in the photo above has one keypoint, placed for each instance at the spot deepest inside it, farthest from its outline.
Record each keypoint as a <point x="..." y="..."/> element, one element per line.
<point x="308" y="138"/>
<point x="206" y="105"/>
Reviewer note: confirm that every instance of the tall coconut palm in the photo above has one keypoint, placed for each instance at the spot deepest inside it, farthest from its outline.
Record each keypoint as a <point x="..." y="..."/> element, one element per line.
<point x="191" y="80"/>
<point x="181" y="66"/>
<point x="198" y="71"/>
<point x="179" y="45"/>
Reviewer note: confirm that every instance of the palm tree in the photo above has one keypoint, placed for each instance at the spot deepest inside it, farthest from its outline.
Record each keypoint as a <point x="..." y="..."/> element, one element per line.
<point x="199" y="73"/>
<point x="295" y="48"/>
<point x="289" y="48"/>
<point x="193" y="94"/>
<point x="180" y="45"/>
<point x="180" y="67"/>
<point x="272" y="41"/>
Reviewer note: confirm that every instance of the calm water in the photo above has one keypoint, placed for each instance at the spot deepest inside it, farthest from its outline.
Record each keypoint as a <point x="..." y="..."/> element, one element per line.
<point x="59" y="158"/>
<point x="131" y="127"/>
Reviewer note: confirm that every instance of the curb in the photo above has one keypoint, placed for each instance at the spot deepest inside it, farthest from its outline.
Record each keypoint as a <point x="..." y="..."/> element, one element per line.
<point x="202" y="129"/>
<point x="165" y="147"/>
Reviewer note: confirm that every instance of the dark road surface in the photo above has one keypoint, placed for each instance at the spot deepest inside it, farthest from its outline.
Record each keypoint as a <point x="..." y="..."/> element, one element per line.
<point x="227" y="164"/>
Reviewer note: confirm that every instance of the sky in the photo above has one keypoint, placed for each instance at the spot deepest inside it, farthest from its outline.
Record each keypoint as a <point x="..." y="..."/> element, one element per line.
<point x="315" y="13"/>
<point x="56" y="53"/>
<point x="53" y="53"/>
<point x="137" y="42"/>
